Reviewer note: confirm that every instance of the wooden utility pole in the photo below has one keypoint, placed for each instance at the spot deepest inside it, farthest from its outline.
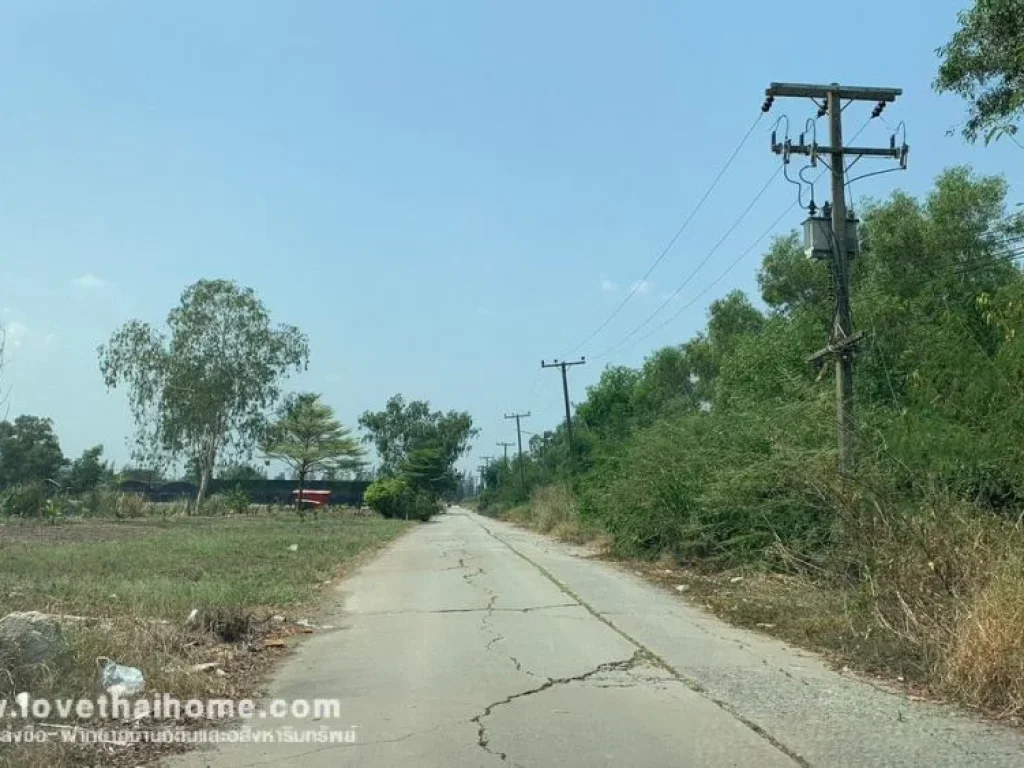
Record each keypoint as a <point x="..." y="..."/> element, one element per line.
<point x="506" y="446"/>
<point x="840" y="233"/>
<point x="484" y="461"/>
<point x="519" y="439"/>
<point x="564" y="364"/>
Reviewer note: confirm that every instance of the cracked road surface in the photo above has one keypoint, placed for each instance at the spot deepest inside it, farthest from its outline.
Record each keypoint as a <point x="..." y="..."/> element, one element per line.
<point x="471" y="643"/>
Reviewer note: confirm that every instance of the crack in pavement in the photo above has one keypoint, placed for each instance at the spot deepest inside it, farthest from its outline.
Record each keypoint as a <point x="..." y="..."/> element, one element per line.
<point x="487" y="620"/>
<point x="519" y="665"/>
<point x="483" y="741"/>
<point x="655" y="659"/>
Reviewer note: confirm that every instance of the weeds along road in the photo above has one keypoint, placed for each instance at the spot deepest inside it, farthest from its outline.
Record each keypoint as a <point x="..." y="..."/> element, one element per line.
<point x="472" y="643"/>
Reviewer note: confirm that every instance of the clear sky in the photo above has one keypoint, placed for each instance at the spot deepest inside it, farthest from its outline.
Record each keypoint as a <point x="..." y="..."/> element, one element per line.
<point x="440" y="194"/>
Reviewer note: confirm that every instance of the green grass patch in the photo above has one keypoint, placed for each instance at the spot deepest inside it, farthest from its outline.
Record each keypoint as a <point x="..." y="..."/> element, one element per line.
<point x="163" y="569"/>
<point x="131" y="585"/>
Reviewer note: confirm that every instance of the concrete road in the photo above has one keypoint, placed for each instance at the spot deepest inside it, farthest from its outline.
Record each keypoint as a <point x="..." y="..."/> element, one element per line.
<point x="471" y="643"/>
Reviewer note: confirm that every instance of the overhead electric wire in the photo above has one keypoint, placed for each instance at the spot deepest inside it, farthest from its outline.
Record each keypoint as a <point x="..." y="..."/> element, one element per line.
<point x="728" y="269"/>
<point x="668" y="299"/>
<point x="672" y="241"/>
<point x="675" y="238"/>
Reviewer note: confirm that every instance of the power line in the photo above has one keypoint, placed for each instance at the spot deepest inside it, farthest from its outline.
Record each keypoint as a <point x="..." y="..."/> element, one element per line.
<point x="672" y="241"/>
<point x="668" y="299"/>
<point x="726" y="271"/>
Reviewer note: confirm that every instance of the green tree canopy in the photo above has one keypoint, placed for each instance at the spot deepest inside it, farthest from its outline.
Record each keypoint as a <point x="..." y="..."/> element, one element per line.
<point x="241" y="471"/>
<point x="722" y="426"/>
<point x="88" y="471"/>
<point x="202" y="392"/>
<point x="308" y="438"/>
<point x="403" y="427"/>
<point x="984" y="63"/>
<point x="29" y="451"/>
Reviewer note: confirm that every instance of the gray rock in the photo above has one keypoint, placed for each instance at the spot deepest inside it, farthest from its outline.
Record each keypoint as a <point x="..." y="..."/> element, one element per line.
<point x="30" y="638"/>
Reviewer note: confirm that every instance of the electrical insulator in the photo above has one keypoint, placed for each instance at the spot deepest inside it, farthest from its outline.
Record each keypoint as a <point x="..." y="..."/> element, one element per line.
<point x="767" y="104"/>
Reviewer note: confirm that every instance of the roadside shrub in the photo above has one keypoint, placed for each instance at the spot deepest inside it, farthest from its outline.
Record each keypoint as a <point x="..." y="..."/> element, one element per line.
<point x="422" y="506"/>
<point x="393" y="497"/>
<point x="25" y="500"/>
<point x="722" y="489"/>
<point x="553" y="509"/>
<point x="386" y="496"/>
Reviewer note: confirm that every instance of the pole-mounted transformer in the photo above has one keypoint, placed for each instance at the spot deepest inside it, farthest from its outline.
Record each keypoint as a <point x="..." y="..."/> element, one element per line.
<point x="818" y="241"/>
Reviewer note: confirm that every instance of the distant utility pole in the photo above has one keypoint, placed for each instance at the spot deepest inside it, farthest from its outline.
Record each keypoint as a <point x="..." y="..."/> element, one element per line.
<point x="519" y="439"/>
<point x="506" y="446"/>
<point x="836" y="240"/>
<point x="564" y="364"/>
<point x="484" y="460"/>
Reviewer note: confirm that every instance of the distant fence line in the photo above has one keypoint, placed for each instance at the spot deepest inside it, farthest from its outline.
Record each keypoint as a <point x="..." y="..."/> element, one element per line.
<point x="349" y="492"/>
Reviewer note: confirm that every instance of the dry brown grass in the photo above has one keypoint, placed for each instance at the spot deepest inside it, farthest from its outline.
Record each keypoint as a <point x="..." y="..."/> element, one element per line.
<point x="929" y="595"/>
<point x="553" y="510"/>
<point x="985" y="660"/>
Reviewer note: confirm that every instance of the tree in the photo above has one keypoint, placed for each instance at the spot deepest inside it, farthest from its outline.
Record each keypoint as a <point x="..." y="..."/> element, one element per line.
<point x="29" y="451"/>
<point x="401" y="428"/>
<point x="984" y="63"/>
<point x="789" y="280"/>
<point x="202" y="392"/>
<point x="608" y="409"/>
<point x="427" y="471"/>
<point x="241" y="471"/>
<point x="308" y="438"/>
<point x="88" y="471"/>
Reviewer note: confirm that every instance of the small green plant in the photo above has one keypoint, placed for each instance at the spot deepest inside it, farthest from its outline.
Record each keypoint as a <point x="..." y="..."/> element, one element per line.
<point x="55" y="508"/>
<point x="238" y="500"/>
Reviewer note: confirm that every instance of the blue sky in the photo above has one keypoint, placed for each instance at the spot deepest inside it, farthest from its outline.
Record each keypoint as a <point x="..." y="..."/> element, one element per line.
<point x="439" y="194"/>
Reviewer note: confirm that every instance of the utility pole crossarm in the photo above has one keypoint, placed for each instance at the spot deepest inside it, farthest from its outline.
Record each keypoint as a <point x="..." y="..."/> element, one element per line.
<point x="823" y="149"/>
<point x="812" y="91"/>
<point x="560" y="363"/>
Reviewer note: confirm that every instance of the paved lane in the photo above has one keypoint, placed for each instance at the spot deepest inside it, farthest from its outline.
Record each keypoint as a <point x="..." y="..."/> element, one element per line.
<point x="471" y="643"/>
